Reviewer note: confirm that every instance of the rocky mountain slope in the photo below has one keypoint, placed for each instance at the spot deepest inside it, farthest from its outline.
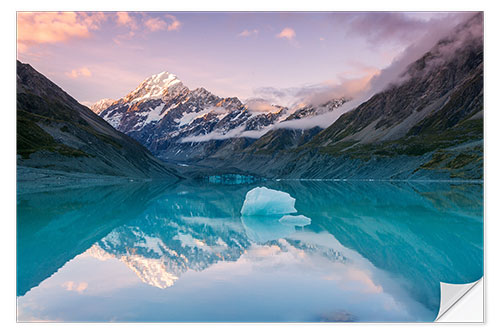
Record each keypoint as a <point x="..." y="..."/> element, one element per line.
<point x="179" y="124"/>
<point x="429" y="124"/>
<point x="55" y="132"/>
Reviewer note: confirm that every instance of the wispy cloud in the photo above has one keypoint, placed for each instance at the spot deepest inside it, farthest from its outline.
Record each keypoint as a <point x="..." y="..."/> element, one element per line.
<point x="287" y="33"/>
<point x="174" y="24"/>
<point x="349" y="85"/>
<point x="248" y="33"/>
<point x="123" y="37"/>
<point x="52" y="27"/>
<point x="125" y="19"/>
<point x="75" y="73"/>
<point x="392" y="27"/>
<point x="258" y="105"/>
<point x="144" y="24"/>
<point x="383" y="26"/>
<point x="155" y="24"/>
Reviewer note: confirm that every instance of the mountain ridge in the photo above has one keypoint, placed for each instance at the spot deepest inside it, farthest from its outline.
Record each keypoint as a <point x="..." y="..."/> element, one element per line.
<point x="179" y="124"/>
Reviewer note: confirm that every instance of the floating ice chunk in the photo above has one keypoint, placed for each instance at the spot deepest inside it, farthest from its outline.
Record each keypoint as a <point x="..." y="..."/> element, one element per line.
<point x="298" y="220"/>
<point x="264" y="215"/>
<point x="263" y="201"/>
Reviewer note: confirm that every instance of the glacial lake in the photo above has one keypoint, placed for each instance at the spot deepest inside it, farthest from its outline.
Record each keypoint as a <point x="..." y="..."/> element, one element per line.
<point x="148" y="252"/>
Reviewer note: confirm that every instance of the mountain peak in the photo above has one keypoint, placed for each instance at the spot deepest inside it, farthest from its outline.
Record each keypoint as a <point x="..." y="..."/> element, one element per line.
<point x="155" y="86"/>
<point x="163" y="79"/>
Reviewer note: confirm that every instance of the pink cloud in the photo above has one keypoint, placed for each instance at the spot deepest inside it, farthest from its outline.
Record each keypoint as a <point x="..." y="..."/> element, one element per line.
<point x="175" y="23"/>
<point x="124" y="18"/>
<point x="247" y="33"/>
<point x="155" y="24"/>
<point x="75" y="73"/>
<point x="120" y="38"/>
<point x="52" y="27"/>
<point x="287" y="33"/>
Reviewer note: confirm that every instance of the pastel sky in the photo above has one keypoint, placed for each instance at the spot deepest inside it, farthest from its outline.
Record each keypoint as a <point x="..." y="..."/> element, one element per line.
<point x="106" y="55"/>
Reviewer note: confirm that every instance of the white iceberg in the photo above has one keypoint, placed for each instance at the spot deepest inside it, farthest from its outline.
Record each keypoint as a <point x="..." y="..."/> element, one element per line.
<point x="263" y="201"/>
<point x="265" y="215"/>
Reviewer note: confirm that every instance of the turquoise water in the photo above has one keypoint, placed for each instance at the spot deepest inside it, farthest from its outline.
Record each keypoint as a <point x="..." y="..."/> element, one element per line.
<point x="362" y="251"/>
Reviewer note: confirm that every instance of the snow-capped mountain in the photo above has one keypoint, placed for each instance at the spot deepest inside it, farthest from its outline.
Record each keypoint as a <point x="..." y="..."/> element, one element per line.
<point x="177" y="123"/>
<point x="100" y="105"/>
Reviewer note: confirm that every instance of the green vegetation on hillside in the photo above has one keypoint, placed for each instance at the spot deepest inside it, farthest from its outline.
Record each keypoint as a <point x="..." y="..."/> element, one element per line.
<point x="33" y="109"/>
<point x="31" y="138"/>
<point x="416" y="145"/>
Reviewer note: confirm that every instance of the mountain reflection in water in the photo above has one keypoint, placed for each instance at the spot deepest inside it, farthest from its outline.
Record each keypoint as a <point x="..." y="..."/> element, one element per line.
<point x="362" y="251"/>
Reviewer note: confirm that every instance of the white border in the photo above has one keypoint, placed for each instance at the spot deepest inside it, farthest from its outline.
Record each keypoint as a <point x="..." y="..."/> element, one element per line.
<point x="492" y="167"/>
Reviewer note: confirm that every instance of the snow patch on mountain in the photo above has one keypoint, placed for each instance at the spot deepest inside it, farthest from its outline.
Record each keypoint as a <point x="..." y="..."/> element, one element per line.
<point x="151" y="243"/>
<point x="155" y="113"/>
<point x="189" y="117"/>
<point x="215" y="135"/>
<point x="189" y="241"/>
<point x="114" y="119"/>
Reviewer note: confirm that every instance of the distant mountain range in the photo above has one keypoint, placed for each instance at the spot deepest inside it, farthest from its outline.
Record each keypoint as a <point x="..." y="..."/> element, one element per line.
<point x="427" y="125"/>
<point x="179" y="124"/>
<point x="56" y="132"/>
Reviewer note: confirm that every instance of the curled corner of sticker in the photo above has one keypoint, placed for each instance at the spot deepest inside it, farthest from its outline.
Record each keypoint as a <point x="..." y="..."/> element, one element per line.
<point x="451" y="294"/>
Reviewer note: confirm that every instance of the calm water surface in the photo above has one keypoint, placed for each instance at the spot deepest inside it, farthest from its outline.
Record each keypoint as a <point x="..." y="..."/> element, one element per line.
<point x="367" y="251"/>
